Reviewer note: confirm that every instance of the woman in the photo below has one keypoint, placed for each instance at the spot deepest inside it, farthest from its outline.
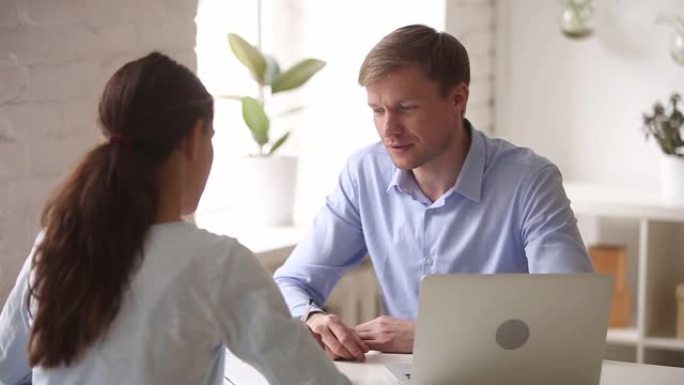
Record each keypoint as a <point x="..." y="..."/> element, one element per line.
<point x="118" y="289"/>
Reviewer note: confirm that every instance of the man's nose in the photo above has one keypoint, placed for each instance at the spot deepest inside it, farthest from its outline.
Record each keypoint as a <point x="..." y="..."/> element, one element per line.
<point x="391" y="124"/>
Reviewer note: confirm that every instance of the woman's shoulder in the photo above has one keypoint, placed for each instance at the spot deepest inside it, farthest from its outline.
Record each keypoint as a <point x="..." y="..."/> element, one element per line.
<point x="184" y="250"/>
<point x="188" y="237"/>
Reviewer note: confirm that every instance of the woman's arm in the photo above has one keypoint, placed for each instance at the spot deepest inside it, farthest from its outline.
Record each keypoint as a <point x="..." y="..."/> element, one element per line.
<point x="14" y="331"/>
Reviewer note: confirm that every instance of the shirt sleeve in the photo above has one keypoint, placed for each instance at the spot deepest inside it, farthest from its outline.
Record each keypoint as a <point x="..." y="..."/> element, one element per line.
<point x="549" y="231"/>
<point x="14" y="330"/>
<point x="258" y="329"/>
<point x="333" y="246"/>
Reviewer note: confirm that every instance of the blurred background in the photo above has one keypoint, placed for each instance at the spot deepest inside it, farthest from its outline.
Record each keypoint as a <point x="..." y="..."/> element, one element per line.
<point x="574" y="90"/>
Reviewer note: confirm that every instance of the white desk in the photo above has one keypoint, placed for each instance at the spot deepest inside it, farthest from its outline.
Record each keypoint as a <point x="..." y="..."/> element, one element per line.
<point x="372" y="372"/>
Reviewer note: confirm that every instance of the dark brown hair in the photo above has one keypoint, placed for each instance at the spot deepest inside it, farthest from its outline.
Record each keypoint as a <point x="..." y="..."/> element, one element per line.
<point x="95" y="224"/>
<point x="442" y="56"/>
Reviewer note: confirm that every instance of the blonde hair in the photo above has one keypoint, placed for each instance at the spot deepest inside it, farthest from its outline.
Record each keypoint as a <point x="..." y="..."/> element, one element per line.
<point x="442" y="56"/>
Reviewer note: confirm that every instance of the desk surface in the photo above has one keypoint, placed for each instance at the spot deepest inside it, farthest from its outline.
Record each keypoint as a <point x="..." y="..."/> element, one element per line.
<point x="372" y="372"/>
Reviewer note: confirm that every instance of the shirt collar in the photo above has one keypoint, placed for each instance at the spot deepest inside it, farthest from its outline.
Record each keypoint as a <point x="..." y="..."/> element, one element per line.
<point x="396" y="177"/>
<point x="406" y="183"/>
<point x="469" y="182"/>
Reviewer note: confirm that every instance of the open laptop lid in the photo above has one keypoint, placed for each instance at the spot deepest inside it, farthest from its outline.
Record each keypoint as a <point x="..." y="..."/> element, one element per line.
<point x="512" y="329"/>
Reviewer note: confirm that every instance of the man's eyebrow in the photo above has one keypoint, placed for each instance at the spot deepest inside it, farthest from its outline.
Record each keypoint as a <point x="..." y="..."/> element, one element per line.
<point x="397" y="103"/>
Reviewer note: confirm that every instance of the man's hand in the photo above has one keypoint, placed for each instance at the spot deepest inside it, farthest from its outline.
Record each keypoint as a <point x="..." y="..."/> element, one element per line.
<point x="341" y="342"/>
<point x="388" y="334"/>
<point x="318" y="338"/>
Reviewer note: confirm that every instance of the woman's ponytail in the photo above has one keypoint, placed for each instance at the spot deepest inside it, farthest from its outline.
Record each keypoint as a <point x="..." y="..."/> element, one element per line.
<point x="96" y="222"/>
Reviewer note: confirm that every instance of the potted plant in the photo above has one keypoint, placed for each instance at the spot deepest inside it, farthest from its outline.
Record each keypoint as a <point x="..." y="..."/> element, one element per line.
<point x="268" y="181"/>
<point x="665" y="125"/>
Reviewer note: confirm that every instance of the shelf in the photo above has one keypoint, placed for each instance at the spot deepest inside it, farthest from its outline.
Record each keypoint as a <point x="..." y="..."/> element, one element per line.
<point x="668" y="343"/>
<point x="622" y="202"/>
<point x="258" y="238"/>
<point x="622" y="336"/>
<point x="630" y="337"/>
<point x="651" y="228"/>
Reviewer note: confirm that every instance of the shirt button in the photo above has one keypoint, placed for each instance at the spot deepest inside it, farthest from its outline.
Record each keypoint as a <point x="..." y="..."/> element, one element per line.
<point x="429" y="261"/>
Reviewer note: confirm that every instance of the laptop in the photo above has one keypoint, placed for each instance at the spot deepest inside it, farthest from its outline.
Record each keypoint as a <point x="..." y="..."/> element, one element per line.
<point x="513" y="329"/>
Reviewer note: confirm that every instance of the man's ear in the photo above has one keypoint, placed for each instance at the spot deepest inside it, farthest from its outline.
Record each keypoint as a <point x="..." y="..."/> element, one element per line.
<point x="193" y="139"/>
<point x="459" y="97"/>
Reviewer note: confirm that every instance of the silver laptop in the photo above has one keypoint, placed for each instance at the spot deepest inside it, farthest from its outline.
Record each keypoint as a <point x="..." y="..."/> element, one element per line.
<point x="513" y="329"/>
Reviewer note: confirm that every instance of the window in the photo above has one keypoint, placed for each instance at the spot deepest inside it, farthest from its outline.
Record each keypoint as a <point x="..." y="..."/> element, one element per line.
<point x="336" y="121"/>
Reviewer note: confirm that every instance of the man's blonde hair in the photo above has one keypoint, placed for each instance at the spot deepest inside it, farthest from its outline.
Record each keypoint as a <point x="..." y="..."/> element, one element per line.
<point x="442" y="56"/>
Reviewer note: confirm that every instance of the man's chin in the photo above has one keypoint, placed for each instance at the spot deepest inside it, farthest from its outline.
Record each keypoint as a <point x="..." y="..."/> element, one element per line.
<point x="403" y="164"/>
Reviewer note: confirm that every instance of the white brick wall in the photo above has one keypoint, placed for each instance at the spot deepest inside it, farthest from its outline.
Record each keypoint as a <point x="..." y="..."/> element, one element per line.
<point x="13" y="78"/>
<point x="8" y="13"/>
<point x="473" y="23"/>
<point x="55" y="57"/>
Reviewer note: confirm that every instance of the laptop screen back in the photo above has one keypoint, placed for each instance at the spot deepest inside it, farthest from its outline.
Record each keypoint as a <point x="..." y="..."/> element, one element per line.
<point x="511" y="329"/>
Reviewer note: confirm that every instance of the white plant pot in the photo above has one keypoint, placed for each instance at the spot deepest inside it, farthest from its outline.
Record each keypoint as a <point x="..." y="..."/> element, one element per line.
<point x="672" y="178"/>
<point x="264" y="189"/>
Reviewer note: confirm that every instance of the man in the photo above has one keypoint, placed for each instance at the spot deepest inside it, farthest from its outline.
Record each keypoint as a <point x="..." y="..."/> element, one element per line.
<point x="436" y="196"/>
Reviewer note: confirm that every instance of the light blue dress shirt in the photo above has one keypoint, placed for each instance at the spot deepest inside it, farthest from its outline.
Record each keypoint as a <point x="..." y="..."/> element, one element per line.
<point x="506" y="213"/>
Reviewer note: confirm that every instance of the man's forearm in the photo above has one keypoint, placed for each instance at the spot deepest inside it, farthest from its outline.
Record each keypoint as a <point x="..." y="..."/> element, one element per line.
<point x="296" y="297"/>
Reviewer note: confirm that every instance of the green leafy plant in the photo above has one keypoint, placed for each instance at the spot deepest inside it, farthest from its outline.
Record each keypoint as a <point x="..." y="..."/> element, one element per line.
<point x="666" y="126"/>
<point x="266" y="71"/>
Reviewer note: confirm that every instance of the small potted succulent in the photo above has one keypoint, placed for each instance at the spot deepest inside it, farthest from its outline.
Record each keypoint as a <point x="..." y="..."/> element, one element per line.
<point x="665" y="125"/>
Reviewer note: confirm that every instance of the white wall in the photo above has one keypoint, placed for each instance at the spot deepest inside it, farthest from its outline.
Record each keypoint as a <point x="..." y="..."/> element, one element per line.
<point x="55" y="57"/>
<point x="473" y="22"/>
<point x="579" y="103"/>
